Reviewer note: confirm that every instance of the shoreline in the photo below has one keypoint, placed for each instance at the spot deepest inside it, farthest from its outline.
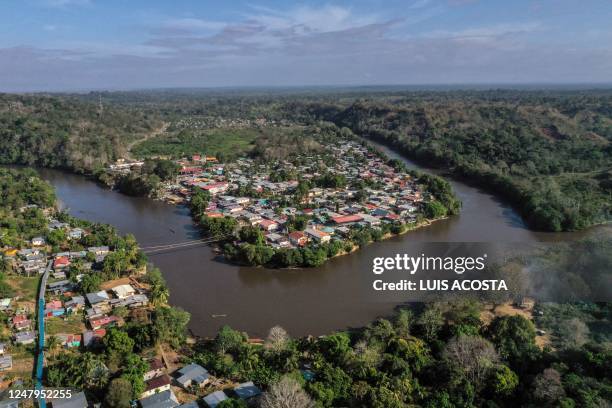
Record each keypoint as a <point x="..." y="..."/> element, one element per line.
<point x="454" y="173"/>
<point x="212" y="262"/>
<point x="387" y="236"/>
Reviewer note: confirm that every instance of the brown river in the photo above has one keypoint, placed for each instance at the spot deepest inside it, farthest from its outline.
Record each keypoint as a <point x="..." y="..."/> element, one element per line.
<point x="307" y="301"/>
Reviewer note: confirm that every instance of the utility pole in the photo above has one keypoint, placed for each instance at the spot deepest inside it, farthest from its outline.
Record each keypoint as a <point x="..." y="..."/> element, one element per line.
<point x="100" y="107"/>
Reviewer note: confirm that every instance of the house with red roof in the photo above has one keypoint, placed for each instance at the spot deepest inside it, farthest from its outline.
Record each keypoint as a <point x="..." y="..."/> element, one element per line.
<point x="298" y="238"/>
<point x="156" y="368"/>
<point x="61" y="262"/>
<point x="20" y="322"/>
<point x="215" y="188"/>
<point x="391" y="217"/>
<point x="268" y="225"/>
<point x="345" y="219"/>
<point x="155" y="385"/>
<point x="317" y="236"/>
<point x="70" y="340"/>
<point x="104" y="321"/>
<point x="54" y="308"/>
<point x="190" y="170"/>
<point x="91" y="337"/>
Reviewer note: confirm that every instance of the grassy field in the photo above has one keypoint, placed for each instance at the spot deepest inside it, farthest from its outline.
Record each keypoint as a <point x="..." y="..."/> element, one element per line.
<point x="72" y="325"/>
<point x="25" y="287"/>
<point x="23" y="352"/>
<point x="213" y="142"/>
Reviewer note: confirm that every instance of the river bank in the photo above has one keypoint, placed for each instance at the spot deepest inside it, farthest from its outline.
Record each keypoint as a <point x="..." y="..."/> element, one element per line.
<point x="324" y="299"/>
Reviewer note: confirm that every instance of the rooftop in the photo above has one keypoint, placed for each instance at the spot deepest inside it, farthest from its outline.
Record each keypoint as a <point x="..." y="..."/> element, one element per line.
<point x="215" y="398"/>
<point x="247" y="390"/>
<point x="164" y="399"/>
<point x="158" y="382"/>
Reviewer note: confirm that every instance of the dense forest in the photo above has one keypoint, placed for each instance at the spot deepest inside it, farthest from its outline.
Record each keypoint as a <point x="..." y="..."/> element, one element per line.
<point x="552" y="159"/>
<point x="23" y="197"/>
<point x="547" y="152"/>
<point x="443" y="354"/>
<point x="66" y="132"/>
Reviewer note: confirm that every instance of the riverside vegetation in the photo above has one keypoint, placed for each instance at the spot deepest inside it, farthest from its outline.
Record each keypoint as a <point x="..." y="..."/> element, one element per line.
<point x="546" y="152"/>
<point x="443" y="354"/>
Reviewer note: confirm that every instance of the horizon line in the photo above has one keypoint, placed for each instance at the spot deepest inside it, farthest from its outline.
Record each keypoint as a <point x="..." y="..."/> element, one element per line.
<point x="432" y="86"/>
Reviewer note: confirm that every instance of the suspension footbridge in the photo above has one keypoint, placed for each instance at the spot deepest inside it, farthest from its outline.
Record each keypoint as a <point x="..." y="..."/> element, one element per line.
<point x="152" y="249"/>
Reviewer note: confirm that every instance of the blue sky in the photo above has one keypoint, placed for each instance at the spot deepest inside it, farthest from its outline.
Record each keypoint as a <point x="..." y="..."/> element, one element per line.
<point x="54" y="45"/>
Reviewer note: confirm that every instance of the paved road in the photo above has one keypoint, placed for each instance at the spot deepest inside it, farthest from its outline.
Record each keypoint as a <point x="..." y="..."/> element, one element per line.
<point x="40" y="358"/>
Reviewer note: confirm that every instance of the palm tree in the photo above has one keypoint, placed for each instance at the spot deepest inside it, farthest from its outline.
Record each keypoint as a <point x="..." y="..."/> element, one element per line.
<point x="250" y="357"/>
<point x="95" y="372"/>
<point x="52" y="344"/>
<point x="159" y="294"/>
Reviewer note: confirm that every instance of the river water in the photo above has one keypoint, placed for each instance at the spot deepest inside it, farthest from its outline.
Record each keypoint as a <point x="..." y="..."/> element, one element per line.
<point x="307" y="301"/>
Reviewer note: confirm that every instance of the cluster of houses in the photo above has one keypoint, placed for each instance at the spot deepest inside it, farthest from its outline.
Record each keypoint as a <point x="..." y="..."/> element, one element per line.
<point x="100" y="304"/>
<point x="389" y="196"/>
<point x="161" y="387"/>
<point x="33" y="260"/>
<point x="21" y="328"/>
<point x="122" y="166"/>
<point x="211" y="122"/>
<point x="63" y="300"/>
<point x="159" y="393"/>
<point x="97" y="307"/>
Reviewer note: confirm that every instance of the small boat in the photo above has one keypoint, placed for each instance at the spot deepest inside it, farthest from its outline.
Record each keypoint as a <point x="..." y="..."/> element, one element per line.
<point x="218" y="315"/>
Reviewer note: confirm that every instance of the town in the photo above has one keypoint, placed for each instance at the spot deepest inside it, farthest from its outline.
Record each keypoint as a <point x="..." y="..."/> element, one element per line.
<point x="330" y="196"/>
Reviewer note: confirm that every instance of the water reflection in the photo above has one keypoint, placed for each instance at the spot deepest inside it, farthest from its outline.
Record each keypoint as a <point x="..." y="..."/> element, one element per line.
<point x="308" y="301"/>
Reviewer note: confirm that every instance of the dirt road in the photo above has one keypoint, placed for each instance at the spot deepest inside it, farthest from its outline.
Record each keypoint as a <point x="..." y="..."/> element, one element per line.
<point x="154" y="133"/>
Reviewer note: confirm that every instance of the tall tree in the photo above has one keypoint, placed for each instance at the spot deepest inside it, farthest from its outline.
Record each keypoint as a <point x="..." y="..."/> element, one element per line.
<point x="473" y="355"/>
<point x="277" y="340"/>
<point x="119" y="393"/>
<point x="287" y="393"/>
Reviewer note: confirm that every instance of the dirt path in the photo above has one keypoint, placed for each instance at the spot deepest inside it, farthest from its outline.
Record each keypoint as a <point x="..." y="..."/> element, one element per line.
<point x="156" y="132"/>
<point x="170" y="358"/>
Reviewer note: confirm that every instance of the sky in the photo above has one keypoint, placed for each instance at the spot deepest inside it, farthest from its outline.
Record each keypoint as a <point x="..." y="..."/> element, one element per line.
<point x="79" y="45"/>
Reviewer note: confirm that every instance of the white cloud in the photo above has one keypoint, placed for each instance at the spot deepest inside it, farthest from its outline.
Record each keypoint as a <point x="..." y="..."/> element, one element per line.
<point x="327" y="18"/>
<point x="262" y="29"/>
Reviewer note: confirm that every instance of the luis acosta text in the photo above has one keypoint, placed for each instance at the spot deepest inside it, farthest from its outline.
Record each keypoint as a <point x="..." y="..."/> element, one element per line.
<point x="434" y="265"/>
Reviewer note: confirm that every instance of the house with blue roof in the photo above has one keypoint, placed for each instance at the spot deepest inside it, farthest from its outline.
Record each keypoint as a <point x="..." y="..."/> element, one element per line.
<point x="247" y="390"/>
<point x="164" y="399"/>
<point x="193" y="375"/>
<point x="212" y="400"/>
